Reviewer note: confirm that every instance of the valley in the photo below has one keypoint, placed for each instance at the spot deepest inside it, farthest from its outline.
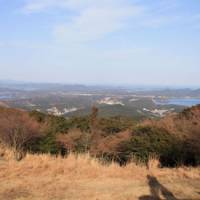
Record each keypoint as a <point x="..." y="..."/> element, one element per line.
<point x="76" y="100"/>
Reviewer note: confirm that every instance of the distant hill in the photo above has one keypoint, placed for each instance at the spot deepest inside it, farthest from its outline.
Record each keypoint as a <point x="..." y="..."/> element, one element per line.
<point x="173" y="92"/>
<point x="29" y="86"/>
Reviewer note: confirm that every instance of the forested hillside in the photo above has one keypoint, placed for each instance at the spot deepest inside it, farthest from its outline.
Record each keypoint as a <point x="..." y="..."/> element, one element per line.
<point x="174" y="139"/>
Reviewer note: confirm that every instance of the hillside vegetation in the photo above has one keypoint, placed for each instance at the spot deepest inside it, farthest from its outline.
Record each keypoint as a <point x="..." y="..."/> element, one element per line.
<point x="174" y="140"/>
<point x="47" y="157"/>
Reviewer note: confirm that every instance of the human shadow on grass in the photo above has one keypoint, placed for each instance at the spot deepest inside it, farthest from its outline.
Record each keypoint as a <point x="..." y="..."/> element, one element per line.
<point x="156" y="188"/>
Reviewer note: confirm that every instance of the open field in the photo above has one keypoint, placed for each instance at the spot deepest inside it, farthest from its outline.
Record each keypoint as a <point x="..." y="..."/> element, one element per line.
<point x="42" y="177"/>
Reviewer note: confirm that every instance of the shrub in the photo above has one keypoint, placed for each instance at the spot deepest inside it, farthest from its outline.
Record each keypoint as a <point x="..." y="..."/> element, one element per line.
<point x="75" y="141"/>
<point x="148" y="141"/>
<point x="38" y="116"/>
<point x="17" y="130"/>
<point x="82" y="123"/>
<point x="115" y="124"/>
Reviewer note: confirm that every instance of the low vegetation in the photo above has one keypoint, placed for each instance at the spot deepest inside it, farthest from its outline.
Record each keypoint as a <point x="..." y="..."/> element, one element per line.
<point x="98" y="158"/>
<point x="80" y="177"/>
<point x="17" y="130"/>
<point x="174" y="140"/>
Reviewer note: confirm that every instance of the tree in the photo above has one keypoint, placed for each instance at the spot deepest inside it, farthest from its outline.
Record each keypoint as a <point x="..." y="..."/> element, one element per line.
<point x="96" y="133"/>
<point x="17" y="130"/>
<point x="93" y="119"/>
<point x="75" y="141"/>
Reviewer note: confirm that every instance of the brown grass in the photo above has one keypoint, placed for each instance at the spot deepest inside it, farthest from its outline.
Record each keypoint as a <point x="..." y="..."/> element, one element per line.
<point x="42" y="177"/>
<point x="6" y="153"/>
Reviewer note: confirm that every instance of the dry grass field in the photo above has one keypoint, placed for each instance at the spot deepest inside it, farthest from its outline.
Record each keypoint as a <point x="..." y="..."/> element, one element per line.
<point x="43" y="177"/>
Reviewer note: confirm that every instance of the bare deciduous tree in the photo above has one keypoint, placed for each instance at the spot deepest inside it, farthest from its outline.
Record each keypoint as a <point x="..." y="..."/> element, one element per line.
<point x="17" y="129"/>
<point x="96" y="133"/>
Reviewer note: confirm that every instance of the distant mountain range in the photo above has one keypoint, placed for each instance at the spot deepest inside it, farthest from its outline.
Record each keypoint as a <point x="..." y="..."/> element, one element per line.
<point x="76" y="99"/>
<point x="159" y="91"/>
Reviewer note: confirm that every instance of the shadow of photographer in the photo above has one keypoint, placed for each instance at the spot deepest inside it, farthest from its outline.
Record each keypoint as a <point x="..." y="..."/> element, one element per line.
<point x="156" y="189"/>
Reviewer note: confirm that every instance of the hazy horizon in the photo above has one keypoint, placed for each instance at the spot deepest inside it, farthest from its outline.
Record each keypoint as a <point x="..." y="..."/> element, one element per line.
<point x="125" y="86"/>
<point x="108" y="42"/>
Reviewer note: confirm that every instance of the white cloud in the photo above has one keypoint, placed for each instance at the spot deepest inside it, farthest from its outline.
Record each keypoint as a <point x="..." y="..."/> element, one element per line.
<point x="96" y="22"/>
<point x="32" y="6"/>
<point x="91" y="19"/>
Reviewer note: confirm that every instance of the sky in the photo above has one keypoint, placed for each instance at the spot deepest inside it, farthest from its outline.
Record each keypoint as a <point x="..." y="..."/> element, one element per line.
<point x="112" y="42"/>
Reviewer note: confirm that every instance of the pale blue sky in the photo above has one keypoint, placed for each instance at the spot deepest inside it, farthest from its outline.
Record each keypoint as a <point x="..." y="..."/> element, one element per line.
<point x="148" y="42"/>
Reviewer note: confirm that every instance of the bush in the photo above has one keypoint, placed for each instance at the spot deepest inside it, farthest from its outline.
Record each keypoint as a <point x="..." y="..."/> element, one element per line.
<point x="115" y="124"/>
<point x="147" y="142"/>
<point x="75" y="141"/>
<point x="45" y="144"/>
<point x="82" y="123"/>
<point x="17" y="130"/>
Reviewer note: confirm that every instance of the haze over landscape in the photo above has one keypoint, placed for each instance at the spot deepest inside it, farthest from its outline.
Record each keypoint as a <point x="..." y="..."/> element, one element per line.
<point x="99" y="100"/>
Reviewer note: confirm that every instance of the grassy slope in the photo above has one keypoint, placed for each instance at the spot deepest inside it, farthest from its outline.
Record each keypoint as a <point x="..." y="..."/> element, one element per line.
<point x="42" y="177"/>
